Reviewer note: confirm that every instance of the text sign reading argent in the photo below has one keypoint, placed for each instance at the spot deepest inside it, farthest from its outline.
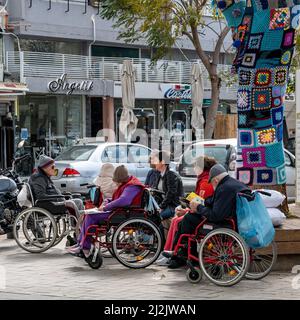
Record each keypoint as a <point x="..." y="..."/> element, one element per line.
<point x="61" y="83"/>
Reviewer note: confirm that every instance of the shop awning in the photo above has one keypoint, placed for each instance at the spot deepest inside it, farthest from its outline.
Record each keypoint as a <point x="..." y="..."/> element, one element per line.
<point x="12" y="88"/>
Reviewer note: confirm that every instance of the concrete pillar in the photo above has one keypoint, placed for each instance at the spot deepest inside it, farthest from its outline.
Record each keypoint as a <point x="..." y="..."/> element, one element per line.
<point x="297" y="138"/>
<point x="109" y="116"/>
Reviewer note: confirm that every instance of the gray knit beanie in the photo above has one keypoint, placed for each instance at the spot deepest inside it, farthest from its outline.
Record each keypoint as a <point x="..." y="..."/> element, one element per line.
<point x="45" y="161"/>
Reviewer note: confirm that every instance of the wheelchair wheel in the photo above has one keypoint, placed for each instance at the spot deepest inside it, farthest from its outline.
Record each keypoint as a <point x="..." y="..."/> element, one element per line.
<point x="136" y="243"/>
<point x="194" y="276"/>
<point x="262" y="261"/>
<point x="224" y="257"/>
<point x="95" y="259"/>
<point x="62" y="228"/>
<point x="35" y="230"/>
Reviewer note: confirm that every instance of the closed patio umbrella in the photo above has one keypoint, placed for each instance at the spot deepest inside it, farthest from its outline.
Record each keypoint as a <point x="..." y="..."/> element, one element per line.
<point x="128" y="121"/>
<point x="197" y="121"/>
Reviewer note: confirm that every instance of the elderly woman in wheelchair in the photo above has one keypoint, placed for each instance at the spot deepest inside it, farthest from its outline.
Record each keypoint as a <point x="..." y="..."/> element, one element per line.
<point x="128" y="239"/>
<point x="50" y="215"/>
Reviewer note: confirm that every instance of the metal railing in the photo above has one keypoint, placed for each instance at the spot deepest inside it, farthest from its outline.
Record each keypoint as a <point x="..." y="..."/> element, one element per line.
<point x="53" y="65"/>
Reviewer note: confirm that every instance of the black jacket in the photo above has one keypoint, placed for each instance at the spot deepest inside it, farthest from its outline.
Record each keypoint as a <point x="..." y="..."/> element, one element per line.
<point x="42" y="186"/>
<point x="222" y="204"/>
<point x="172" y="187"/>
<point x="152" y="178"/>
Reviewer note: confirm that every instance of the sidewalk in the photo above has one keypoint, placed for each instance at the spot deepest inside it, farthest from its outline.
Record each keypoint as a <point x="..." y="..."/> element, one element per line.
<point x="57" y="275"/>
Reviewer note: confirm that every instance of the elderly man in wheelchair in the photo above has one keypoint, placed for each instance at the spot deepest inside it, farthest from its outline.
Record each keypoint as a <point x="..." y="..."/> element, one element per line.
<point x="50" y="214"/>
<point x="219" y="211"/>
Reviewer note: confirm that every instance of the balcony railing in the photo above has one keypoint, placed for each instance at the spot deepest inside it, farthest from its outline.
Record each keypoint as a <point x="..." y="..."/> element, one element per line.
<point x="53" y="65"/>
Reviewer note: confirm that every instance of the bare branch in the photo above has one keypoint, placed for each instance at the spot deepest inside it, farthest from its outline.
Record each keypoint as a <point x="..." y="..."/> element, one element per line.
<point x="219" y="44"/>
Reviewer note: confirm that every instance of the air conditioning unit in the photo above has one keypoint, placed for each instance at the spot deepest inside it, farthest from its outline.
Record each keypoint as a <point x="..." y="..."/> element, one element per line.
<point x="172" y="72"/>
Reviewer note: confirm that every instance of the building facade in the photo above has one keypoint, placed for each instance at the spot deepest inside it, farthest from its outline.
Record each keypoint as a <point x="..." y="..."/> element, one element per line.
<point x="70" y="60"/>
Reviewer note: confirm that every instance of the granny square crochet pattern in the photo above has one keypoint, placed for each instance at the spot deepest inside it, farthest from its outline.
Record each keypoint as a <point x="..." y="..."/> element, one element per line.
<point x="265" y="176"/>
<point x="246" y="138"/>
<point x="255" y="41"/>
<point x="281" y="174"/>
<point x="249" y="60"/>
<point x="243" y="100"/>
<point x="254" y="157"/>
<point x="277" y="115"/>
<point x="280" y="76"/>
<point x="261" y="98"/>
<point x="245" y="175"/>
<point x="263" y="77"/>
<point x="267" y="136"/>
<point x="245" y="77"/>
<point x="279" y="18"/>
<point x="264" y="35"/>
<point x="288" y="39"/>
<point x="286" y="57"/>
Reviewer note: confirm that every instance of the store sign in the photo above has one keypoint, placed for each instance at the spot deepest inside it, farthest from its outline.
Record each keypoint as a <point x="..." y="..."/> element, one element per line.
<point x="61" y="83"/>
<point x="179" y="92"/>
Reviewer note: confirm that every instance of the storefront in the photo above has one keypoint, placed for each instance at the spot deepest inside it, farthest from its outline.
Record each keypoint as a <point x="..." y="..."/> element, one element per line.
<point x="9" y="93"/>
<point x="57" y="112"/>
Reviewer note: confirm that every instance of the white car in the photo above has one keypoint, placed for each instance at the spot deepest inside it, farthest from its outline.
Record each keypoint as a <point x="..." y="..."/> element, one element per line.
<point x="224" y="151"/>
<point x="80" y="164"/>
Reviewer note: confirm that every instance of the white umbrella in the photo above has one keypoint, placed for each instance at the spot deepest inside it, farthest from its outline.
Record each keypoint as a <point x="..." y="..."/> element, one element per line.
<point x="197" y="101"/>
<point x="128" y="121"/>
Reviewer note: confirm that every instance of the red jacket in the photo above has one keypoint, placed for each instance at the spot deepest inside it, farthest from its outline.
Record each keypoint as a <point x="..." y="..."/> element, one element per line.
<point x="132" y="181"/>
<point x="203" y="188"/>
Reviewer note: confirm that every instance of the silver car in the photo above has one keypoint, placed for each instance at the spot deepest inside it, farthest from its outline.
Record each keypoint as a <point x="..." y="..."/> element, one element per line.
<point x="224" y="151"/>
<point x="80" y="164"/>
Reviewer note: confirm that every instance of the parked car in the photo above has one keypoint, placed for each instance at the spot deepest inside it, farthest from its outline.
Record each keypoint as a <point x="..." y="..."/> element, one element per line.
<point x="80" y="164"/>
<point x="224" y="151"/>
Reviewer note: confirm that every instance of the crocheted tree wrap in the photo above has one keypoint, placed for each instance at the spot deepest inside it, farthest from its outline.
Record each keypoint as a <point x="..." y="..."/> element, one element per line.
<point x="264" y="37"/>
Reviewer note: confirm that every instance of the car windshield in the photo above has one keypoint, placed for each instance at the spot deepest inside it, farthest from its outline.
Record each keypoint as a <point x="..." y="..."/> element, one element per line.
<point x="77" y="153"/>
<point x="220" y="153"/>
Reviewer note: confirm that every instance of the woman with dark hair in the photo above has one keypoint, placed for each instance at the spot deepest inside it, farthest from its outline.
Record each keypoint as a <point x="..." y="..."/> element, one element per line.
<point x="204" y="189"/>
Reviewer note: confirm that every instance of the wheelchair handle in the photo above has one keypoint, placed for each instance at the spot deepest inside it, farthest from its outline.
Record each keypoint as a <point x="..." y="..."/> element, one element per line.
<point x="264" y="193"/>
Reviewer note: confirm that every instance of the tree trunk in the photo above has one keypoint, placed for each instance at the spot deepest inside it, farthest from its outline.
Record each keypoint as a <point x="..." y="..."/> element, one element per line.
<point x="212" y="111"/>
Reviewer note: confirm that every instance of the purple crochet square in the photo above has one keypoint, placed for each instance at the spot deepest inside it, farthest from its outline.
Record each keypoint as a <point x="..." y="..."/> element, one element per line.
<point x="254" y="157"/>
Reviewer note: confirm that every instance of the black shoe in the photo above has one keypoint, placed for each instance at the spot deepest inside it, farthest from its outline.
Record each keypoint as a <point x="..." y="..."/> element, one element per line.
<point x="70" y="241"/>
<point x="167" y="254"/>
<point x="176" y="263"/>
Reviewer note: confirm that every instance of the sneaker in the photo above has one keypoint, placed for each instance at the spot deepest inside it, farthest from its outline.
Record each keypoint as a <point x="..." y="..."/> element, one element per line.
<point x="74" y="250"/>
<point x="163" y="261"/>
<point x="167" y="254"/>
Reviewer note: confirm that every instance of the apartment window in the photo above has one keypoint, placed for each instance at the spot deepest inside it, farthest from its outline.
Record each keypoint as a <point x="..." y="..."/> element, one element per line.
<point x="50" y="46"/>
<point x="121" y="52"/>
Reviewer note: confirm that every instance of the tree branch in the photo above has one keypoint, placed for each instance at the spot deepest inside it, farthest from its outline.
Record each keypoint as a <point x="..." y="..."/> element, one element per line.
<point x="202" y="55"/>
<point x="219" y="45"/>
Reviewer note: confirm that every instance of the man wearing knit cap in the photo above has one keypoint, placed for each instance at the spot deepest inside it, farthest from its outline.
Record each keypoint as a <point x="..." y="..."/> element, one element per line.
<point x="42" y="186"/>
<point x="220" y="206"/>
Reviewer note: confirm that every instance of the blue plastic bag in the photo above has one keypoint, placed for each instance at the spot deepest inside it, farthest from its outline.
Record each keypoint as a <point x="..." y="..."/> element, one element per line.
<point x="254" y="222"/>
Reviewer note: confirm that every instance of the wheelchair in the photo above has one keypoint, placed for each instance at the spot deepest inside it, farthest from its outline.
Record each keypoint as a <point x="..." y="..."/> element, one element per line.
<point x="131" y="235"/>
<point x="222" y="254"/>
<point x="44" y="223"/>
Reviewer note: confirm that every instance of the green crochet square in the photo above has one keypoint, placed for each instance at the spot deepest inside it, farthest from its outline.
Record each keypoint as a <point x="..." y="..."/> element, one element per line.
<point x="259" y="21"/>
<point x="272" y="40"/>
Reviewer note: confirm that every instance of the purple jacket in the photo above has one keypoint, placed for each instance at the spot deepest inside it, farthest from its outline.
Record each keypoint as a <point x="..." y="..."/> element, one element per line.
<point x="124" y="200"/>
